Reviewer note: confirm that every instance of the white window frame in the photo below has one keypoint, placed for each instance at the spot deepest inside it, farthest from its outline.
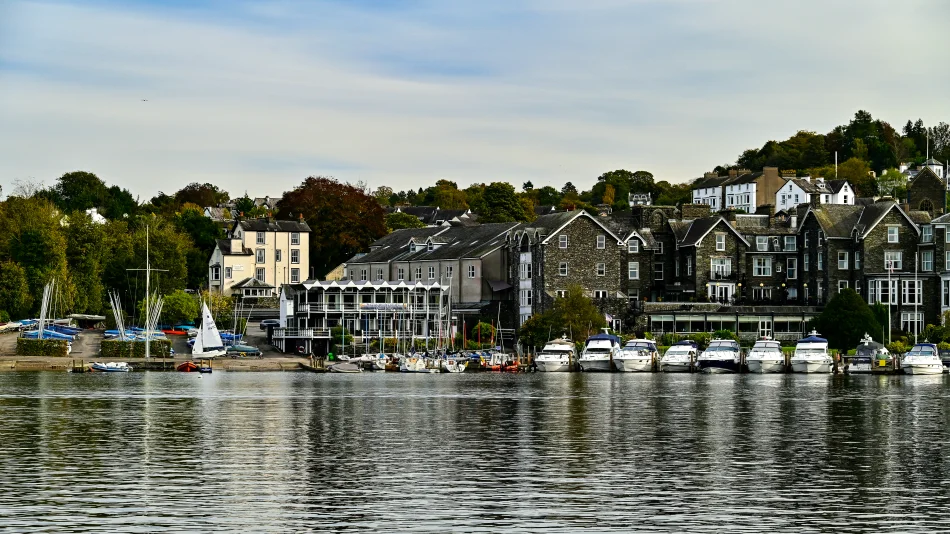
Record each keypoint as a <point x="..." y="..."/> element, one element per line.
<point x="821" y="260"/>
<point x="601" y="269"/>
<point x="791" y="243"/>
<point x="857" y="260"/>
<point x="400" y="273"/>
<point x="261" y="238"/>
<point x="277" y="255"/>
<point x="363" y="275"/>
<point x="762" y="243"/>
<point x="560" y="293"/>
<point x="294" y="275"/>
<point x="294" y="238"/>
<point x="720" y="268"/>
<point x="791" y="268"/>
<point x="893" y="262"/>
<point x="418" y="274"/>
<point x="762" y="266"/>
<point x="805" y="261"/>
<point x="893" y="234"/>
<point x="260" y="256"/>
<point x="562" y="241"/>
<point x="295" y="255"/>
<point x="633" y="270"/>
<point x="927" y="260"/>
<point x="912" y="322"/>
<point x="379" y="274"/>
<point x="926" y="233"/>
<point x="908" y="293"/>
<point x="431" y="272"/>
<point x="843" y="260"/>
<point x="720" y="242"/>
<point x="228" y="272"/>
<point x="842" y="284"/>
<point x="633" y="246"/>
<point x="600" y="293"/>
<point x="215" y="274"/>
<point x="260" y="273"/>
<point x="658" y="272"/>
<point x="945" y="292"/>
<point x="562" y="269"/>
<point x="659" y="247"/>
<point x="601" y="241"/>
<point x="450" y="271"/>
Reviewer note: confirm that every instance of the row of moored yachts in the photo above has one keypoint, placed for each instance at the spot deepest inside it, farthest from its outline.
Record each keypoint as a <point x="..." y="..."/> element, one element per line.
<point x="604" y="352"/>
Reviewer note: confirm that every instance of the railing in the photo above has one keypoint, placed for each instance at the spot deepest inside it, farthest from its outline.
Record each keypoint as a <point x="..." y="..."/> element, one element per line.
<point x="321" y="308"/>
<point x="722" y="274"/>
<point x="301" y="333"/>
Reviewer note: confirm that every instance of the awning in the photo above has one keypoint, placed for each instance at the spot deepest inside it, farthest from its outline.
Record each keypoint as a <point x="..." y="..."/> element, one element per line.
<point x="498" y="285"/>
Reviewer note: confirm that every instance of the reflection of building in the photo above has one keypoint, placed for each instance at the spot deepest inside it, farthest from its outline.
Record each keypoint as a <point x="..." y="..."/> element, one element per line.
<point x="366" y="310"/>
<point x="260" y="255"/>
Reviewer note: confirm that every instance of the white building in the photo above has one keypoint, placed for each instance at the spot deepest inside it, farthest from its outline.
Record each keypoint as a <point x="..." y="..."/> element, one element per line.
<point x="260" y="256"/>
<point x="708" y="190"/>
<point x="800" y="190"/>
<point x="932" y="164"/>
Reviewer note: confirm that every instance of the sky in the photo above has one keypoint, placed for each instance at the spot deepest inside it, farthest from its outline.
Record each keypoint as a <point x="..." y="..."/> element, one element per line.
<point x="256" y="96"/>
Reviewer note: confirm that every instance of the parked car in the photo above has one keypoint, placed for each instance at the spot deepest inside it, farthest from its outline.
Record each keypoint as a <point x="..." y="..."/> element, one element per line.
<point x="269" y="322"/>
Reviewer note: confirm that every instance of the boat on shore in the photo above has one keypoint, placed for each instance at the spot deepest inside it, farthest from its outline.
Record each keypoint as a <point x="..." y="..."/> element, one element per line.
<point x="208" y="342"/>
<point x="679" y="357"/>
<point x="556" y="356"/>
<point x="721" y="356"/>
<point x="922" y="359"/>
<point x="811" y="355"/>
<point x="865" y="355"/>
<point x="766" y="356"/>
<point x="599" y="352"/>
<point x="110" y="367"/>
<point x="345" y="367"/>
<point x="636" y="356"/>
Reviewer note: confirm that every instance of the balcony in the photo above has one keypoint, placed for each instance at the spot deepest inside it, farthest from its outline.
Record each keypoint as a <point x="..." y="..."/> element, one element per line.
<point x="301" y="333"/>
<point x="304" y="309"/>
<point x="727" y="275"/>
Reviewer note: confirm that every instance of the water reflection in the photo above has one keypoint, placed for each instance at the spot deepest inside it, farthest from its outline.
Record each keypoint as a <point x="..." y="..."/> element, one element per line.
<point x="290" y="452"/>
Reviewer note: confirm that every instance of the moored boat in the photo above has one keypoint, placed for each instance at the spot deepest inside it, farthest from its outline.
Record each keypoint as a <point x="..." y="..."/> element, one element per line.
<point x="345" y="367"/>
<point x="766" y="356"/>
<point x="208" y="342"/>
<point x="187" y="367"/>
<point x="111" y="367"/>
<point x="922" y="359"/>
<point x="556" y="356"/>
<point x="721" y="356"/>
<point x="866" y="355"/>
<point x="811" y="355"/>
<point x="599" y="351"/>
<point x="679" y="358"/>
<point x="454" y="366"/>
<point x="637" y="355"/>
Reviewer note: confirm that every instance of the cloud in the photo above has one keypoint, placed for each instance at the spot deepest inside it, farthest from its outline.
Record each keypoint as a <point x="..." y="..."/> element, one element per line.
<point x="257" y="96"/>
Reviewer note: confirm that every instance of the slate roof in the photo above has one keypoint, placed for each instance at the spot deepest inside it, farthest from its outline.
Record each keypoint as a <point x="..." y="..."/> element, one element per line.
<point x="544" y="210"/>
<point x="431" y="214"/>
<point x="836" y="185"/>
<point x="837" y="220"/>
<point x="224" y="245"/>
<point x="252" y="283"/>
<point x="810" y="187"/>
<point x="943" y="219"/>
<point x="872" y="214"/>
<point x="679" y="229"/>
<point x="267" y="225"/>
<point x="747" y="178"/>
<point x="395" y="244"/>
<point x="459" y="241"/>
<point x="919" y="217"/>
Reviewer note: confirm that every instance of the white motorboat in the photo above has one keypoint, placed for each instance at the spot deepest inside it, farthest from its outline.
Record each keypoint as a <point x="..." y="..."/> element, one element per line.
<point x="721" y="356"/>
<point x="599" y="351"/>
<point x="637" y="355"/>
<point x="811" y="355"/>
<point x="111" y="367"/>
<point x="208" y="341"/>
<point x="766" y="356"/>
<point x="416" y="364"/>
<point x="922" y="359"/>
<point x="866" y="355"/>
<point x="556" y="356"/>
<point x="679" y="358"/>
<point x="454" y="366"/>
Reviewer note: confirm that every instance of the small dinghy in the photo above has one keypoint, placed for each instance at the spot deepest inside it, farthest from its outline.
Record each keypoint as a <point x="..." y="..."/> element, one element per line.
<point x="111" y="367"/>
<point x="345" y="367"/>
<point x="187" y="367"/>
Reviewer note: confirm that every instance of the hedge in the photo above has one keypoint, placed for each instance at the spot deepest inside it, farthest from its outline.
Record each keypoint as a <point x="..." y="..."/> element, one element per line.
<point x="116" y="349"/>
<point x="40" y="347"/>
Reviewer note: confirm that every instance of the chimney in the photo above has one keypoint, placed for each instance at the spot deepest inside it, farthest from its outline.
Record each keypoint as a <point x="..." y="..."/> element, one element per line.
<point x="711" y="175"/>
<point x="770" y="172"/>
<point x="729" y="215"/>
<point x="815" y="201"/>
<point x="694" y="211"/>
<point x="733" y="173"/>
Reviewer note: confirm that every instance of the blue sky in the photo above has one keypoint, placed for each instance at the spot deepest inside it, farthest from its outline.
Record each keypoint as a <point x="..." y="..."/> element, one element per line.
<point x="258" y="95"/>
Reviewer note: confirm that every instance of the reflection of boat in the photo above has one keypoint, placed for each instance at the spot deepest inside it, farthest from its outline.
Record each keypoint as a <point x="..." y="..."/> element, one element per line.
<point x="811" y="355"/>
<point x="207" y="342"/>
<point x="721" y="356"/>
<point x="556" y="356"/>
<point x="766" y="356"/>
<point x="867" y="353"/>
<point x="187" y="367"/>
<point x="637" y="355"/>
<point x="679" y="358"/>
<point x="599" y="350"/>
<point x="922" y="359"/>
<point x="111" y="367"/>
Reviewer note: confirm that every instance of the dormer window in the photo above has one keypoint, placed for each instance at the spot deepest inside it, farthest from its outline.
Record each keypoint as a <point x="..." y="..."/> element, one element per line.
<point x="412" y="247"/>
<point x="430" y="247"/>
<point x="633" y="246"/>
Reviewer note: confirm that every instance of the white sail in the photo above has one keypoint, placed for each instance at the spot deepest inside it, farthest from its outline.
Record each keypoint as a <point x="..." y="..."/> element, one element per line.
<point x="209" y="335"/>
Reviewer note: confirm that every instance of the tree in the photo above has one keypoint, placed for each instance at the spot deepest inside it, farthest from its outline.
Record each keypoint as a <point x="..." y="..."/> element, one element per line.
<point x="180" y="307"/>
<point x="502" y="204"/>
<point x="15" y="297"/>
<point x="86" y="257"/>
<point x="382" y="195"/>
<point x="398" y="220"/>
<point x="244" y="205"/>
<point x="568" y="188"/>
<point x="858" y="174"/>
<point x="447" y="196"/>
<point x="892" y="182"/>
<point x="845" y="320"/>
<point x="608" y="197"/>
<point x="343" y="219"/>
<point x="79" y="191"/>
<point x="204" y="195"/>
<point x="548" y="196"/>
<point x="573" y="315"/>
<point x="204" y="234"/>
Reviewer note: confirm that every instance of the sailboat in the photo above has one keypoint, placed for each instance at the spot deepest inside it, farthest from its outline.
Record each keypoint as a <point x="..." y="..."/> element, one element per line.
<point x="208" y="341"/>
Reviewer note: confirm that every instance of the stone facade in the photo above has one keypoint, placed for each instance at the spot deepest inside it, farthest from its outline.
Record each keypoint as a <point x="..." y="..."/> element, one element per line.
<point x="927" y="192"/>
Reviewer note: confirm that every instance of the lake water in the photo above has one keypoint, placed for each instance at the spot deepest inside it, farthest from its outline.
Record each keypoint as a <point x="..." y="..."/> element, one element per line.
<point x="298" y="452"/>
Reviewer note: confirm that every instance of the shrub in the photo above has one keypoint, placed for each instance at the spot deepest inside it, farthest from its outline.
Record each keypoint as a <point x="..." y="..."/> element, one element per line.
<point x="897" y="347"/>
<point x="725" y="334"/>
<point x="4" y="316"/>
<point x="116" y="349"/>
<point x="702" y="339"/>
<point x="943" y="345"/>
<point x="669" y="339"/>
<point x="41" y="347"/>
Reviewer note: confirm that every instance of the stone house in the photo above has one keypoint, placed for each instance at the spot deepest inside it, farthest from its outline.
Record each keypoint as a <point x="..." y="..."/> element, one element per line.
<point x="927" y="191"/>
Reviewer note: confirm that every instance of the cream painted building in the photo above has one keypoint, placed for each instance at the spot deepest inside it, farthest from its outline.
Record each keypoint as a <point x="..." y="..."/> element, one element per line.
<point x="260" y="256"/>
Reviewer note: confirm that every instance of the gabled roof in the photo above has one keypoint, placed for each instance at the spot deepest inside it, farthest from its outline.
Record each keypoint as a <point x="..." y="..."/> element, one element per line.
<point x="645" y="235"/>
<point x="268" y="225"/>
<point x="874" y="213"/>
<point x="811" y="187"/>
<point x="251" y="283"/>
<point x="699" y="228"/>
<point x="568" y="220"/>
<point x="836" y="185"/>
<point x="943" y="219"/>
<point x="679" y="228"/>
<point x="924" y="172"/>
<point x="836" y="220"/>
<point x="919" y="217"/>
<point x="395" y="244"/>
<point x="224" y="245"/>
<point x="746" y="178"/>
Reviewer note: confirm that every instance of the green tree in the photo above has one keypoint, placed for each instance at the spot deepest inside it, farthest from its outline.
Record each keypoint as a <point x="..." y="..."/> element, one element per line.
<point x="447" y="196"/>
<point x="568" y="188"/>
<point x="86" y="257"/>
<point x="383" y="194"/>
<point x="845" y="320"/>
<point x="79" y="191"/>
<point x="15" y="297"/>
<point x="573" y="315"/>
<point x="502" y="204"/>
<point x="179" y="307"/>
<point x="398" y="220"/>
<point x="548" y="196"/>
<point x="892" y="182"/>
<point x="244" y="205"/>
<point x="203" y="195"/>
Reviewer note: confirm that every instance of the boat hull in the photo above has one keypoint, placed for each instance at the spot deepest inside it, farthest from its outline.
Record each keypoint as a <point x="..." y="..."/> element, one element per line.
<point x="675" y="367"/>
<point x="923" y="369"/>
<point x="552" y="366"/>
<point x="819" y="367"/>
<point x="638" y="365"/>
<point x="209" y="354"/>
<point x="596" y="366"/>
<point x="765" y="366"/>
<point x="858" y="370"/>
<point x="718" y="366"/>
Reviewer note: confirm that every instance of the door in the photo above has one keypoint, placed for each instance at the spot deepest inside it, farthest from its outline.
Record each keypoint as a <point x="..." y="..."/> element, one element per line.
<point x="723" y="293"/>
<point x="765" y="327"/>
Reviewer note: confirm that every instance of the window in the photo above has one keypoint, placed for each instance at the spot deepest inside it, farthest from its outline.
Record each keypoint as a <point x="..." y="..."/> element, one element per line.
<point x="892" y="234"/>
<point x="449" y="271"/>
<point x="796" y="198"/>
<point x="762" y="267"/>
<point x="806" y="239"/>
<point x="912" y="322"/>
<point x="857" y="261"/>
<point x="689" y="265"/>
<point x="883" y="291"/>
<point x="761" y="293"/>
<point x="633" y="270"/>
<point x="362" y="274"/>
<point x="657" y="271"/>
<point x="791" y="269"/>
<point x="601" y="241"/>
<point x="720" y="242"/>
<point x="601" y="269"/>
<point x="842" y="284"/>
<point x="379" y="274"/>
<point x="562" y="268"/>
<point x="431" y="273"/>
<point x="562" y="241"/>
<point x="946" y="234"/>
<point x="892" y="260"/>
<point x="633" y="246"/>
<point x="261" y="274"/>
<point x="845" y="199"/>
<point x="842" y="260"/>
<point x="295" y="276"/>
<point x="294" y="238"/>
<point x="633" y="295"/>
<point x="805" y="262"/>
<point x="418" y="273"/>
<point x="216" y="273"/>
<point x="260" y="256"/>
<point x="294" y="255"/>
<point x="277" y="255"/>
<point x="791" y="244"/>
<point x="926" y="233"/>
<point x="524" y="297"/>
<point x="912" y="291"/>
<point x="945" y="284"/>
<point x="821" y="236"/>
<point x="927" y="260"/>
<point x="659" y="247"/>
<point x="600" y="293"/>
<point x="400" y="274"/>
<point x="821" y="260"/>
<point x="260" y="238"/>
<point x="560" y="293"/>
<point x="761" y="243"/>
<point x="721" y="268"/>
<point x="471" y="271"/>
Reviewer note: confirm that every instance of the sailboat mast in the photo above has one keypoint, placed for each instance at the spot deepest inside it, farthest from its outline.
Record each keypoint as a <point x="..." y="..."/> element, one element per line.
<point x="148" y="312"/>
